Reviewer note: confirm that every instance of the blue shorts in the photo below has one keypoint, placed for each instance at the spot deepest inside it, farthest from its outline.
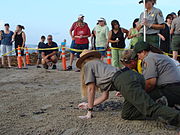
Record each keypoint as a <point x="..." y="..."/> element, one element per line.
<point x="78" y="47"/>
<point x="103" y="53"/>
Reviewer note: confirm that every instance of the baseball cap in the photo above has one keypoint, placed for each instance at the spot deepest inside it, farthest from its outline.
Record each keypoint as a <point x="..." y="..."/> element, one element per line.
<point x="141" y="45"/>
<point x="101" y="19"/>
<point x="80" y="16"/>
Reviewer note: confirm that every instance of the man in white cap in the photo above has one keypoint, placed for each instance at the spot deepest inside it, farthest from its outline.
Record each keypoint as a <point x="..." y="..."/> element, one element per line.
<point x="101" y="31"/>
<point x="73" y="45"/>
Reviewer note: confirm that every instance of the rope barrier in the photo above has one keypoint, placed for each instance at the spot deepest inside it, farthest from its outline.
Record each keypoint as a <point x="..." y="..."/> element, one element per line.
<point x="75" y="50"/>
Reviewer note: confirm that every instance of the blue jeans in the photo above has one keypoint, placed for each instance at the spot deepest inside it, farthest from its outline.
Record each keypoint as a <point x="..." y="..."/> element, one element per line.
<point x="103" y="53"/>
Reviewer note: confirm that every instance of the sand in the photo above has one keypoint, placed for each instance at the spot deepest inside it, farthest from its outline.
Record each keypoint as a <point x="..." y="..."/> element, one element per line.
<point x="44" y="102"/>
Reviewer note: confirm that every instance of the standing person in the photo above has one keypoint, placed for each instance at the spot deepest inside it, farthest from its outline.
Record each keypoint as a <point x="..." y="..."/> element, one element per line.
<point x="134" y="33"/>
<point x="165" y="36"/>
<point x="137" y="106"/>
<point x="175" y="31"/>
<point x="154" y="22"/>
<point x="81" y="35"/>
<point x="101" y="31"/>
<point x="93" y="41"/>
<point x="49" y="55"/>
<point x="117" y="40"/>
<point x="6" y="44"/>
<point x="19" y="38"/>
<point x="174" y="15"/>
<point x="40" y="46"/>
<point x="73" y="44"/>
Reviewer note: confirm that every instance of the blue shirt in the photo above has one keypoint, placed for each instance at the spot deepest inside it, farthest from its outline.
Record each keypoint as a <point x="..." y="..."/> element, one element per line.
<point x="54" y="45"/>
<point x="7" y="38"/>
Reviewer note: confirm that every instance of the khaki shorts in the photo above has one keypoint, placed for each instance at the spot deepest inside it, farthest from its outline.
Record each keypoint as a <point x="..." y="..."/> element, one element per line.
<point x="176" y="43"/>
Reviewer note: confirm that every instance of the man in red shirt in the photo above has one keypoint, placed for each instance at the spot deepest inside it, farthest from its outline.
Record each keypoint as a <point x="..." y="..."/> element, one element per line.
<point x="73" y="44"/>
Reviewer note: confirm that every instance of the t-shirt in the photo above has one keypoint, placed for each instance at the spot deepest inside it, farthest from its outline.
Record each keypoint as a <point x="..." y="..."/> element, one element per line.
<point x="155" y="16"/>
<point x="99" y="73"/>
<point x="84" y="31"/>
<point x="74" y="26"/>
<point x="134" y="40"/>
<point x="40" y="46"/>
<point x="7" y="38"/>
<point x="101" y="35"/>
<point x="176" y="25"/>
<point x="49" y="46"/>
<point x="161" y="67"/>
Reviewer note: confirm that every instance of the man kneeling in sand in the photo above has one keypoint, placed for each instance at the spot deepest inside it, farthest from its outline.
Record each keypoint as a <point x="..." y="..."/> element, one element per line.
<point x="49" y="57"/>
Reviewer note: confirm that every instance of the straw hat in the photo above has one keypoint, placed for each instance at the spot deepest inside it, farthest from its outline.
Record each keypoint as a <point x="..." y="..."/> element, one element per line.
<point x="86" y="54"/>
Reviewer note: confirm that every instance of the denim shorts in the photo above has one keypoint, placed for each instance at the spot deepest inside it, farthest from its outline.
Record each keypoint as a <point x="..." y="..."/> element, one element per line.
<point x="103" y="53"/>
<point x="6" y="49"/>
<point x="78" y="47"/>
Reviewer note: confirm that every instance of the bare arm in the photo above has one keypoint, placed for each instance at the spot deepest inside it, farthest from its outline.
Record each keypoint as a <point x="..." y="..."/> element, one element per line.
<point x="24" y="39"/>
<point x="172" y="31"/>
<point x="150" y="84"/>
<point x="126" y="32"/>
<point x="51" y="54"/>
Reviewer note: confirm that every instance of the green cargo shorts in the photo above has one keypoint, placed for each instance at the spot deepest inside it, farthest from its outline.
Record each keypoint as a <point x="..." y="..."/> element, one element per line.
<point x="176" y="43"/>
<point x="151" y="39"/>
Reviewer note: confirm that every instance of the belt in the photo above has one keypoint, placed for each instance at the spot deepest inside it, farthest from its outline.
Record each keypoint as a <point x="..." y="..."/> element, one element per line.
<point x="169" y="85"/>
<point x="117" y="74"/>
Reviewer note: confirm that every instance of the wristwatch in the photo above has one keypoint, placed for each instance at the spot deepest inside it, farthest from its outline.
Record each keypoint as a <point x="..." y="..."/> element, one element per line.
<point x="90" y="109"/>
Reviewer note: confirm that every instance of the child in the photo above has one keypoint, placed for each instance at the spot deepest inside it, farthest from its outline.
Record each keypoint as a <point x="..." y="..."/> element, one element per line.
<point x="40" y="45"/>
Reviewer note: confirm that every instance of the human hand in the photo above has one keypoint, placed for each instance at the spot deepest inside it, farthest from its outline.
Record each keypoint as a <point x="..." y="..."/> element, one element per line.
<point x="118" y="94"/>
<point x="145" y="22"/>
<point x="88" y="116"/>
<point x="163" y="38"/>
<point x="83" y="106"/>
<point x="81" y="36"/>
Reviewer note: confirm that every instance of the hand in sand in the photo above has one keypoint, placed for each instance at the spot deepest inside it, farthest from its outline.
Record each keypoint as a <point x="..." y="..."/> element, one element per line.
<point x="88" y="116"/>
<point x="83" y="106"/>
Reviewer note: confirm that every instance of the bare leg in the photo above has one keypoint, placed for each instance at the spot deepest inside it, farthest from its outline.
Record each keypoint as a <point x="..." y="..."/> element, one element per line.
<point x="3" y="61"/>
<point x="71" y="59"/>
<point x="9" y="61"/>
<point x="24" y="61"/>
<point x="175" y="54"/>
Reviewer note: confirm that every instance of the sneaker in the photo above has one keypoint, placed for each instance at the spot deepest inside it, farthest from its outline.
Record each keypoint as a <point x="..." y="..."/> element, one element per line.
<point x="38" y="66"/>
<point x="77" y="70"/>
<point x="54" y="67"/>
<point x="162" y="101"/>
<point x="45" y="66"/>
<point x="69" y="68"/>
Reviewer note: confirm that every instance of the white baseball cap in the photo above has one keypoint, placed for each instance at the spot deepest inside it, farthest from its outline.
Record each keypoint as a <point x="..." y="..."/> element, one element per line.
<point x="80" y="16"/>
<point x="101" y="19"/>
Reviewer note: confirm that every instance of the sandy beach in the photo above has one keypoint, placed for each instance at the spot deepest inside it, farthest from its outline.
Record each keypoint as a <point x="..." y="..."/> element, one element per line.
<point x="44" y="102"/>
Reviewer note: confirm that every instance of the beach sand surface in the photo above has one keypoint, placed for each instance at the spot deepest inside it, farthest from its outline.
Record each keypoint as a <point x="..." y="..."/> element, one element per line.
<point x="44" y="102"/>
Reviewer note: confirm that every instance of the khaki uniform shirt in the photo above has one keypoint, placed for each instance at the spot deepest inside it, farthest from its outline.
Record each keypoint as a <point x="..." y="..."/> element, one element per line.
<point x="176" y="25"/>
<point x="161" y="67"/>
<point x="99" y="73"/>
<point x="155" y="16"/>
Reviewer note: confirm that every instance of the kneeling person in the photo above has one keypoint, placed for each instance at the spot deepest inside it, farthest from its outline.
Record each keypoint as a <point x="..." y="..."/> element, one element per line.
<point x="49" y="57"/>
<point x="97" y="74"/>
<point x="160" y="72"/>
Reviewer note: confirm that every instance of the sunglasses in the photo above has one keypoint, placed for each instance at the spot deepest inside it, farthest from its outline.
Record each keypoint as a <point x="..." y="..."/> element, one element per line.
<point x="49" y="39"/>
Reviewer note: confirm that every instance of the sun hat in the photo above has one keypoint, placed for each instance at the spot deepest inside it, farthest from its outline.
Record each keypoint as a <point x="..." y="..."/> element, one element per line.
<point x="87" y="54"/>
<point x="141" y="46"/>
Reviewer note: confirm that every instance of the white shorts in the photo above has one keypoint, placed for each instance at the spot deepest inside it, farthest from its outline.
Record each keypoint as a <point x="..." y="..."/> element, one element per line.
<point x="6" y="49"/>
